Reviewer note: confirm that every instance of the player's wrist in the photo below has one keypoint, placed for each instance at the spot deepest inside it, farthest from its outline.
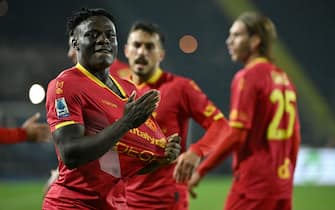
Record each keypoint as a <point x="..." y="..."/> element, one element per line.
<point x="202" y="169"/>
<point x="125" y="123"/>
<point x="23" y="134"/>
<point x="196" y="150"/>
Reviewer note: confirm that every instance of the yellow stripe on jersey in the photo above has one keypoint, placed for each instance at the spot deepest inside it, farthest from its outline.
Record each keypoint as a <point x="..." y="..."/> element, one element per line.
<point x="209" y="110"/>
<point x="118" y="86"/>
<point x="62" y="124"/>
<point x="101" y="84"/>
<point x="218" y="116"/>
<point x="233" y="114"/>
<point x="236" y="115"/>
<point x="155" y="77"/>
<point x="90" y="75"/>
<point x="235" y="124"/>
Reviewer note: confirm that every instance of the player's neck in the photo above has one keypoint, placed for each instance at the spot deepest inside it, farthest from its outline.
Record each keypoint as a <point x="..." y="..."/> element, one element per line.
<point x="99" y="72"/>
<point x="142" y="79"/>
<point x="102" y="75"/>
<point x="136" y="79"/>
<point x="252" y="58"/>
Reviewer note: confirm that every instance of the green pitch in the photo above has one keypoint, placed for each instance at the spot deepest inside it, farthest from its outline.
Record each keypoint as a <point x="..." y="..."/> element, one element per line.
<point x="211" y="194"/>
<point x="213" y="190"/>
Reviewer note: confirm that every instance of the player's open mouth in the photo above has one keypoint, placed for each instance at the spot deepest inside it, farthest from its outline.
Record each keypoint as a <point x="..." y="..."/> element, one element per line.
<point x="103" y="51"/>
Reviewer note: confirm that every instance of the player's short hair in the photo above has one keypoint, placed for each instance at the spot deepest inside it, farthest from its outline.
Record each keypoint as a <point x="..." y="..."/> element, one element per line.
<point x="149" y="28"/>
<point x="261" y="26"/>
<point x="84" y="14"/>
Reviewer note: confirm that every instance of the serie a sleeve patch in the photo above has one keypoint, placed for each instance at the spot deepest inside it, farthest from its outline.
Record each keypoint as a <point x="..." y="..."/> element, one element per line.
<point x="61" y="108"/>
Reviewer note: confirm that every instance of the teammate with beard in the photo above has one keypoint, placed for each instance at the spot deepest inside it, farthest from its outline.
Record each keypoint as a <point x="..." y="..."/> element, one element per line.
<point x="181" y="99"/>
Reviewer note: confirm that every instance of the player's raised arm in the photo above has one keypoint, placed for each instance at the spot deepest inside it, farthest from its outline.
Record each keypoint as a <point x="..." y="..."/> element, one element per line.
<point x="77" y="149"/>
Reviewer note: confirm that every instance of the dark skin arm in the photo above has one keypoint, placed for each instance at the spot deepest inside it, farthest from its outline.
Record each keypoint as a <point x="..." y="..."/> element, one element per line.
<point x="76" y="149"/>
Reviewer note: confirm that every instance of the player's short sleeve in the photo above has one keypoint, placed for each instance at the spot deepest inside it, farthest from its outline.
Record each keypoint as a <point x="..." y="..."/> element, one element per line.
<point x="243" y="100"/>
<point x="63" y="104"/>
<point x="197" y="104"/>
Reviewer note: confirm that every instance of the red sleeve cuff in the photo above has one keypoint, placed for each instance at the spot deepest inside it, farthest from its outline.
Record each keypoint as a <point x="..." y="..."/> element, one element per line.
<point x="196" y="149"/>
<point x="201" y="170"/>
<point x="211" y="138"/>
<point x="12" y="135"/>
<point x="22" y="134"/>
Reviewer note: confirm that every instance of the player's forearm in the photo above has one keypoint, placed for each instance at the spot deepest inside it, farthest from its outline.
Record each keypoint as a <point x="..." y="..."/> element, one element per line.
<point x="79" y="150"/>
<point x="12" y="135"/>
<point x="210" y="139"/>
<point x="213" y="160"/>
<point x="232" y="138"/>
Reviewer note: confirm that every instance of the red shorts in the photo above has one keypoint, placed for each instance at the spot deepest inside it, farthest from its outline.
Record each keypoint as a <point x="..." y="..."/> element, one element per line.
<point x="236" y="201"/>
<point x="62" y="198"/>
<point x="51" y="204"/>
<point x="116" y="198"/>
<point x="179" y="201"/>
<point x="183" y="198"/>
<point x="63" y="204"/>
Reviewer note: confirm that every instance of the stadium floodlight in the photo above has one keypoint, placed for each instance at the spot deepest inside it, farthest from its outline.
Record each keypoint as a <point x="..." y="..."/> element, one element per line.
<point x="36" y="94"/>
<point x="188" y="44"/>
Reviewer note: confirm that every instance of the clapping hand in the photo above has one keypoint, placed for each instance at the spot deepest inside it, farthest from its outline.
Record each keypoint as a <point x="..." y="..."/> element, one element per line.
<point x="137" y="111"/>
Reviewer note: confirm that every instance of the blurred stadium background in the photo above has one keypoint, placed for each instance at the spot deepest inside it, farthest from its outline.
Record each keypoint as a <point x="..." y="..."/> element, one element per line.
<point x="33" y="47"/>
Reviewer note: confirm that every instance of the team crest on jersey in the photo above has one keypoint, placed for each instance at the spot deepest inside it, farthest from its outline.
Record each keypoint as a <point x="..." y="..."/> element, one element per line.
<point x="59" y="87"/>
<point x="150" y="124"/>
<point x="61" y="108"/>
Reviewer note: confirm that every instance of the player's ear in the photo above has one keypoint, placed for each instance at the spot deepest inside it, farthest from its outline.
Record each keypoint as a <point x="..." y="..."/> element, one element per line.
<point x="74" y="43"/>
<point x="162" y="54"/>
<point x="125" y="50"/>
<point x="255" y="41"/>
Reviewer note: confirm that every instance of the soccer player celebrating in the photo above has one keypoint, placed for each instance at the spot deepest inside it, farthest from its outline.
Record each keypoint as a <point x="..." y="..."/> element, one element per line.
<point x="181" y="99"/>
<point x="118" y="67"/>
<point x="31" y="130"/>
<point x="264" y="132"/>
<point x="101" y="132"/>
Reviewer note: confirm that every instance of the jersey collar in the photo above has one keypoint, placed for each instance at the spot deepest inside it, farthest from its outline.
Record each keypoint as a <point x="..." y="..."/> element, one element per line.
<point x="152" y="80"/>
<point x="83" y="70"/>
<point x="257" y="61"/>
<point x="155" y="77"/>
